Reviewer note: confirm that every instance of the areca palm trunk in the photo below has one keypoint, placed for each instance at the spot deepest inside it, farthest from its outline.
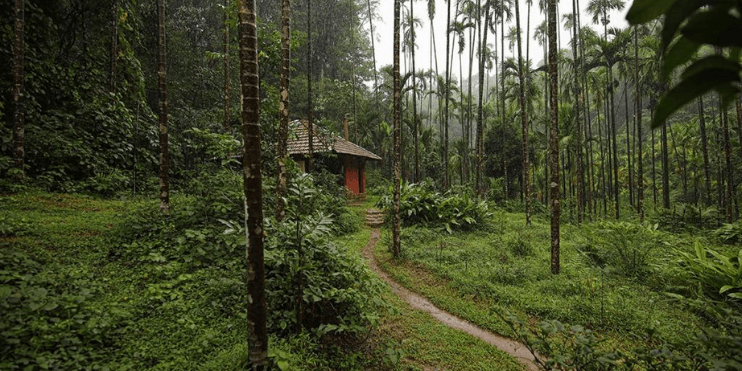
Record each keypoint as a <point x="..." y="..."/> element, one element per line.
<point x="283" y="108"/>
<point x="446" y="177"/>
<point x="665" y="168"/>
<point x="578" y="98"/>
<point x="376" y="76"/>
<point x="310" y="109"/>
<point x="640" y="162"/>
<point x="18" y="101"/>
<point x="502" y="97"/>
<point x="227" y="129"/>
<point x="524" y="121"/>
<point x="162" y="88"/>
<point x="114" y="45"/>
<point x="554" y="140"/>
<point x="252" y="181"/>
<point x="414" y="92"/>
<point x="480" y="123"/>
<point x="704" y="149"/>
<point x="728" y="158"/>
<point x="396" y="241"/>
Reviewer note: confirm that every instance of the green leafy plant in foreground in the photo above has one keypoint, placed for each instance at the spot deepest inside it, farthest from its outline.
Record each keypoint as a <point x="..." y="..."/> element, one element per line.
<point x="716" y="274"/>
<point x="420" y="204"/>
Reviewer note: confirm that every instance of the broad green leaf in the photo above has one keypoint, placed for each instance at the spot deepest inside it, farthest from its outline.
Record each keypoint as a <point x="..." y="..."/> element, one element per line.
<point x="689" y="89"/>
<point x="680" y="52"/>
<point x="714" y="27"/>
<point x="709" y="63"/>
<point x="643" y="11"/>
<point x="726" y="288"/>
<point x="675" y="16"/>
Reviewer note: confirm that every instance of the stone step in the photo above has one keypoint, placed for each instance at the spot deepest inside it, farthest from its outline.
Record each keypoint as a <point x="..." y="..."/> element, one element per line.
<point x="374" y="225"/>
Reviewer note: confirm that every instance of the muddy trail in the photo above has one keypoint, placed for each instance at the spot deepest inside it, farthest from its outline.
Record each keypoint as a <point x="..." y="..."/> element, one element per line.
<point x="511" y="347"/>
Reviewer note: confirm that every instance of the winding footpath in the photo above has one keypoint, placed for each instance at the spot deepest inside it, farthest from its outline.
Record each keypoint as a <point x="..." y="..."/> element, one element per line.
<point x="511" y="347"/>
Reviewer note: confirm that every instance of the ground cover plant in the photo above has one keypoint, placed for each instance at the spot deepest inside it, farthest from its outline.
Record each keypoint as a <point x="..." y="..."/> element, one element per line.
<point x="620" y="280"/>
<point x="110" y="284"/>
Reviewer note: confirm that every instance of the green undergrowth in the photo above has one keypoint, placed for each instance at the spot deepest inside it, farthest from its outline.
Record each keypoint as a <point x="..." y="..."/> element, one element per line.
<point x="111" y="284"/>
<point x="420" y="341"/>
<point x="619" y="280"/>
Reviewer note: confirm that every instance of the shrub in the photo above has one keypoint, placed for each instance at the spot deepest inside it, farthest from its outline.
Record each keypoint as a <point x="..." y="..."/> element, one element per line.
<point x="420" y="204"/>
<point x="629" y="246"/>
<point x="730" y="233"/>
<point x="686" y="217"/>
<point x="717" y="275"/>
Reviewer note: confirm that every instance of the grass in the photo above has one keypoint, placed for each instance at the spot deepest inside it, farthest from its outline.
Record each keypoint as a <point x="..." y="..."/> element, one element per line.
<point x="426" y="343"/>
<point x="506" y="268"/>
<point x="117" y="313"/>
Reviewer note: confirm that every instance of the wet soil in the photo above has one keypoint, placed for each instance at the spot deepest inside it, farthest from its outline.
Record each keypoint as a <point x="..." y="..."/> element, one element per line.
<point x="509" y="346"/>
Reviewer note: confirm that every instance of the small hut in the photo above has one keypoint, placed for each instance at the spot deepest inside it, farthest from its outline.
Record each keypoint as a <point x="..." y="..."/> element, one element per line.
<point x="350" y="159"/>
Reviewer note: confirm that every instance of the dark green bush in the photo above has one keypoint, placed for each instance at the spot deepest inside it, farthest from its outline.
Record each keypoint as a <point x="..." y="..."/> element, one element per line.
<point x="730" y="233"/>
<point x="686" y="218"/>
<point x="420" y="204"/>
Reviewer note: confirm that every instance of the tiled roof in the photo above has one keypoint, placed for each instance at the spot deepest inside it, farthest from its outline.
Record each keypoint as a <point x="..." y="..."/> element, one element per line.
<point x="324" y="141"/>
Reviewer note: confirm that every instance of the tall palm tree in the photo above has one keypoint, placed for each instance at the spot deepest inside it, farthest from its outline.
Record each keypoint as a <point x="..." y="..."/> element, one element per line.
<point x="640" y="162"/>
<point x="524" y="120"/>
<point x="283" y="108"/>
<point x="310" y="109"/>
<point x="162" y="88"/>
<point x="226" y="67"/>
<point x="257" y="342"/>
<point x="578" y="98"/>
<point x="599" y="10"/>
<point x="554" y="139"/>
<point x="114" y="45"/>
<point x="480" y="103"/>
<point x="18" y="101"/>
<point x="396" y="232"/>
<point x="446" y="177"/>
<point x="413" y="46"/>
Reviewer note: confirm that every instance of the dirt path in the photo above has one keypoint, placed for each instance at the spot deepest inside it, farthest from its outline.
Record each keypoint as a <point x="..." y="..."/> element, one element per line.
<point x="416" y="301"/>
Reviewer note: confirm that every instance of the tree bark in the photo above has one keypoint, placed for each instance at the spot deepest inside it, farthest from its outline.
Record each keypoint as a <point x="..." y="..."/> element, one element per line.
<point x="283" y="109"/>
<point x="578" y="99"/>
<point x="524" y="120"/>
<point x="704" y="148"/>
<point x="640" y="162"/>
<point x="728" y="158"/>
<point x="114" y="45"/>
<point x="414" y="92"/>
<point x="396" y="232"/>
<point x="554" y="139"/>
<point x="480" y="120"/>
<point x="665" y="168"/>
<point x="162" y="87"/>
<point x="257" y="343"/>
<point x="227" y="87"/>
<point x="446" y="177"/>
<point x="310" y="109"/>
<point x="19" y="110"/>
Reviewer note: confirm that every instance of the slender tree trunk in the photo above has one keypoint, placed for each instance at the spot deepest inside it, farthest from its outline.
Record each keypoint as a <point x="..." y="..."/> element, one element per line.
<point x="665" y="168"/>
<point x="414" y="93"/>
<point x="114" y="45"/>
<point x="162" y="87"/>
<point x="578" y="99"/>
<point x="640" y="161"/>
<point x="480" y="119"/>
<point x="310" y="109"/>
<point x="616" y="189"/>
<point x="524" y="121"/>
<point x="446" y="177"/>
<point x="704" y="148"/>
<point x="396" y="241"/>
<point x="502" y="98"/>
<point x="728" y="158"/>
<point x="19" y="110"/>
<point x="554" y="139"/>
<point x="654" y="167"/>
<point x="257" y="343"/>
<point x="738" y="106"/>
<point x="227" y="88"/>
<point x="628" y="143"/>
<point x="283" y="109"/>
